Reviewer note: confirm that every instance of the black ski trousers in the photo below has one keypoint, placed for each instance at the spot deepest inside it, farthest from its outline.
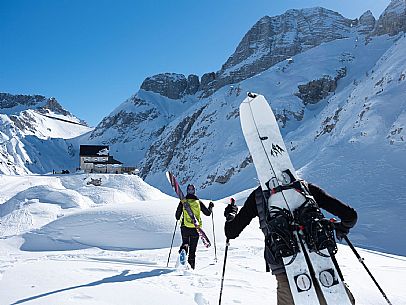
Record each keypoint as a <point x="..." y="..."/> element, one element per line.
<point x="190" y="238"/>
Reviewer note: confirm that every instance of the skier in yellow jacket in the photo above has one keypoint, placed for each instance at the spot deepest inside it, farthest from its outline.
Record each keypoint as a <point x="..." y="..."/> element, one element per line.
<point x="190" y="236"/>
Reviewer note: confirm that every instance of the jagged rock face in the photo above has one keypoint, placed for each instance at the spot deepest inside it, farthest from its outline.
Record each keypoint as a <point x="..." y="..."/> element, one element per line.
<point x="366" y="23"/>
<point x="124" y="121"/>
<point x="161" y="152"/>
<point x="23" y="122"/>
<point x="132" y="127"/>
<point x="223" y="179"/>
<point x="316" y="90"/>
<point x="193" y="84"/>
<point x="38" y="102"/>
<point x="393" y="19"/>
<point x="53" y="105"/>
<point x="273" y="39"/>
<point x="9" y="100"/>
<point x="121" y="122"/>
<point x="207" y="78"/>
<point x="170" y="85"/>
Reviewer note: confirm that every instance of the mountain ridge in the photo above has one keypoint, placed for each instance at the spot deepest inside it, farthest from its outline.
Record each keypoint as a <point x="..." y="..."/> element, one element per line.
<point x="34" y="133"/>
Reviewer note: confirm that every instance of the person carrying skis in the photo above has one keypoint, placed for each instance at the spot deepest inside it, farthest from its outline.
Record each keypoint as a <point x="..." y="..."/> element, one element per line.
<point x="254" y="206"/>
<point x="190" y="236"/>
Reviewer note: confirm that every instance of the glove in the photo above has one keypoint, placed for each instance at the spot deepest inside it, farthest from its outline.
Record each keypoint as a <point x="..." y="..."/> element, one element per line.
<point x="341" y="230"/>
<point x="211" y="205"/>
<point x="230" y="212"/>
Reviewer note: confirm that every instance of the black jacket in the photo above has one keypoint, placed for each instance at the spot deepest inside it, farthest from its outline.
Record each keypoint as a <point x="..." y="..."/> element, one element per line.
<point x="325" y="201"/>
<point x="206" y="211"/>
<point x="347" y="215"/>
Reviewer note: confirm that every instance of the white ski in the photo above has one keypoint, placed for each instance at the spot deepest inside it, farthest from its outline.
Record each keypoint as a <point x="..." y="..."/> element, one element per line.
<point x="274" y="169"/>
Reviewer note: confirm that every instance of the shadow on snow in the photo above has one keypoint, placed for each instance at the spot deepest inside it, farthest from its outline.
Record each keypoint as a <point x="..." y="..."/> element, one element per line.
<point x="122" y="277"/>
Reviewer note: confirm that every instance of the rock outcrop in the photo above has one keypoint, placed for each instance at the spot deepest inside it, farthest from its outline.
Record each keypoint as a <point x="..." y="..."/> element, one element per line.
<point x="9" y="100"/>
<point x="316" y="90"/>
<point x="393" y="19"/>
<point x="193" y="84"/>
<point x="10" y="103"/>
<point x="172" y="85"/>
<point x="366" y="23"/>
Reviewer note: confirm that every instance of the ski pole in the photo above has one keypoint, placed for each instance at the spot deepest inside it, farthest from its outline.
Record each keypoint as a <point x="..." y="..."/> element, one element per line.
<point x="224" y="269"/>
<point x="361" y="260"/>
<point x="214" y="237"/>
<point x="232" y="203"/>
<point x="173" y="236"/>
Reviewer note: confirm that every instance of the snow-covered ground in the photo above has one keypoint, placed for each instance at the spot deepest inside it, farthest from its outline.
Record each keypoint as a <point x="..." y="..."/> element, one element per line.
<point x="65" y="242"/>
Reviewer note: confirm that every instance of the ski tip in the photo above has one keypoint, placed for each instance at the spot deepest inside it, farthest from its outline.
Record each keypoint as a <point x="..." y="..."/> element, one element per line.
<point x="252" y="94"/>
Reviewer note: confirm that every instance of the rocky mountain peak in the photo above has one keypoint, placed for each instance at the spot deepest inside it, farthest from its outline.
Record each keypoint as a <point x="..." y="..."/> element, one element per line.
<point x="8" y="101"/>
<point x="366" y="15"/>
<point x="366" y="23"/>
<point x="396" y="6"/>
<point x="270" y="41"/>
<point x="53" y="105"/>
<point x="393" y="19"/>
<point x="193" y="84"/>
<point x="171" y="85"/>
<point x="273" y="39"/>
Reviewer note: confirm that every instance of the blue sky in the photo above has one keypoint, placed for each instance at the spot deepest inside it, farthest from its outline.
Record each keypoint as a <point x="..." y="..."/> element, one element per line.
<point x="92" y="55"/>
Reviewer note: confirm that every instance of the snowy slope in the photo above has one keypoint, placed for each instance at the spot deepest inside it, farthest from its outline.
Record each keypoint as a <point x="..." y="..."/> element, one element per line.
<point x="207" y="146"/>
<point x="116" y="253"/>
<point x="132" y="127"/>
<point x="33" y="135"/>
<point x="350" y="143"/>
<point x="364" y="150"/>
<point x="200" y="140"/>
<point x="340" y="105"/>
<point x="29" y="202"/>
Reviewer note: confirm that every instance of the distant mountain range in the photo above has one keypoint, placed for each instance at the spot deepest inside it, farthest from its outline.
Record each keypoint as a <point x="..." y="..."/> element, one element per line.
<point x="337" y="86"/>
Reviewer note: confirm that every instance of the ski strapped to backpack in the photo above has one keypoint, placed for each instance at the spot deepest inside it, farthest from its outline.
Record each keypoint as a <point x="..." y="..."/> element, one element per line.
<point x="188" y="209"/>
<point x="288" y="213"/>
<point x="307" y="220"/>
<point x="304" y="235"/>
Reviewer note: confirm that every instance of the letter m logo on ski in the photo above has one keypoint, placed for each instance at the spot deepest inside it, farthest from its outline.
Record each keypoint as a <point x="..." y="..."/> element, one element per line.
<point x="276" y="150"/>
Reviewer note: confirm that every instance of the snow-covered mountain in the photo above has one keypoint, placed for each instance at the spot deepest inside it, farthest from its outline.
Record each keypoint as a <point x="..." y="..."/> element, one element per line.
<point x="274" y="39"/>
<point x="337" y="87"/>
<point x="33" y="133"/>
<point x="301" y="61"/>
<point x="133" y="126"/>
